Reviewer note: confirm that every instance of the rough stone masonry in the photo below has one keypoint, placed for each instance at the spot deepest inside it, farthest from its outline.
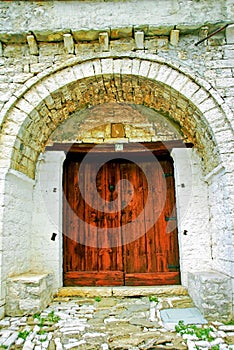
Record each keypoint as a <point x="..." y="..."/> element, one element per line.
<point x="78" y="65"/>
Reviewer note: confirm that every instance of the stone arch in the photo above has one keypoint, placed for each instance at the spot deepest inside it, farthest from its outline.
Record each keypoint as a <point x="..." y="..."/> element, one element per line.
<point x="55" y="96"/>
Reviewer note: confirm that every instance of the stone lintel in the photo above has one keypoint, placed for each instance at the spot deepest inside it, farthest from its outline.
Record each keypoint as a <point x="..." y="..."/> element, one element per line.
<point x="91" y="34"/>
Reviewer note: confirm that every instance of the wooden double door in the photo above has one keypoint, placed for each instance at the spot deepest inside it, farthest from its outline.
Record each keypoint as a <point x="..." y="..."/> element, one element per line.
<point x="119" y="222"/>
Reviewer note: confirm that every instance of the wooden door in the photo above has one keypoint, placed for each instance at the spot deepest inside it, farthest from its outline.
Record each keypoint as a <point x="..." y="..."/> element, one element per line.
<point x="103" y="244"/>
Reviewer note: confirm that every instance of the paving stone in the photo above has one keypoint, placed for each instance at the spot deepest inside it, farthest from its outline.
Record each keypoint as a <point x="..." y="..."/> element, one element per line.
<point x="124" y="324"/>
<point x="143" y="323"/>
<point x="28" y="345"/>
<point x="11" y="340"/>
<point x="230" y="340"/>
<point x="106" y="303"/>
<point x="227" y="328"/>
<point x="138" y="308"/>
<point x="4" y="323"/>
<point x="180" y="303"/>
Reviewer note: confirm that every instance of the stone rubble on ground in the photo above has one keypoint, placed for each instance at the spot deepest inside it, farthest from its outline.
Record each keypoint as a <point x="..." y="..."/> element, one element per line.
<point x="109" y="323"/>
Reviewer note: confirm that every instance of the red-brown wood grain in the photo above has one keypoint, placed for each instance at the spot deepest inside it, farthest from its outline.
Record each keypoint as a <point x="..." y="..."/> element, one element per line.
<point x="93" y="254"/>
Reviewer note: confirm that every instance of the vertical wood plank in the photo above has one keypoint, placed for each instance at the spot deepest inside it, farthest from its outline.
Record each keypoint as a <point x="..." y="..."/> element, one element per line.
<point x="170" y="214"/>
<point x="135" y="251"/>
<point x="90" y="219"/>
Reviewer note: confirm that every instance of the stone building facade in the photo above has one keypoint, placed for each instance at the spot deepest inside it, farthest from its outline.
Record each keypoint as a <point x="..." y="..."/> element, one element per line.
<point x="69" y="70"/>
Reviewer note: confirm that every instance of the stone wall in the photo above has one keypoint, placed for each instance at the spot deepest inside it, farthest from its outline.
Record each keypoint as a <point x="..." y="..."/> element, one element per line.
<point x="17" y="230"/>
<point x="97" y="124"/>
<point x="47" y="216"/>
<point x="193" y="218"/>
<point x="98" y="14"/>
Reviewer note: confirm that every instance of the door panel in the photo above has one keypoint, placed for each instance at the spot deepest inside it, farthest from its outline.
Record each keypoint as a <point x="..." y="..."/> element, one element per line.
<point x="93" y="253"/>
<point x="134" y="252"/>
<point x="84" y="223"/>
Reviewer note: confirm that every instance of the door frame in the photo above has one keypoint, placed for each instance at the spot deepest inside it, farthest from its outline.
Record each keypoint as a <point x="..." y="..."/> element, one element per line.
<point x="158" y="148"/>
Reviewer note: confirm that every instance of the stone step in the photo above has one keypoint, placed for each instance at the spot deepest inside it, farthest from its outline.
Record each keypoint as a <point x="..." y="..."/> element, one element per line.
<point x="129" y="291"/>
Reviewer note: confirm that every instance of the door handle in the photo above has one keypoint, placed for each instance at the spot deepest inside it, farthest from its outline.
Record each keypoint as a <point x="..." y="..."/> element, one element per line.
<point x="111" y="188"/>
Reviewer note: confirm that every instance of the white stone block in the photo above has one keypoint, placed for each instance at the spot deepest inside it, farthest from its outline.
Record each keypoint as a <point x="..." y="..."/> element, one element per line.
<point x="144" y="68"/>
<point x="163" y="73"/>
<point x="139" y="40"/>
<point x="207" y="104"/>
<point x="104" y="41"/>
<point x="21" y="298"/>
<point x="51" y="84"/>
<point x="33" y="48"/>
<point x="126" y="66"/>
<point x="28" y="345"/>
<point x="189" y="89"/>
<point x="179" y="83"/>
<point x="230" y="34"/>
<point x="88" y="69"/>
<point x="107" y="65"/>
<point x="174" y="37"/>
<point x="153" y="70"/>
<point x="211" y="293"/>
<point x="136" y="66"/>
<point x="68" y="43"/>
<point x="117" y="66"/>
<point x="97" y="67"/>
<point x="11" y="339"/>
<point x="33" y="97"/>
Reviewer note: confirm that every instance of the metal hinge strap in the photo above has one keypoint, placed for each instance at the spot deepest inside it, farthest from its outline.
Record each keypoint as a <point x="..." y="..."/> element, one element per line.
<point x="167" y="174"/>
<point x="173" y="267"/>
<point x="170" y="218"/>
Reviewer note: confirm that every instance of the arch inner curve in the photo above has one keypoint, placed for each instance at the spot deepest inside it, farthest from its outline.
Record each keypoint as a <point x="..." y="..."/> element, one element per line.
<point x="86" y="93"/>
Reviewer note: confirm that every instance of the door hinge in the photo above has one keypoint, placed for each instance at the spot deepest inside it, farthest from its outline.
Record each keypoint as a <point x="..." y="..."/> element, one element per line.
<point x="174" y="267"/>
<point x="167" y="174"/>
<point x="170" y="218"/>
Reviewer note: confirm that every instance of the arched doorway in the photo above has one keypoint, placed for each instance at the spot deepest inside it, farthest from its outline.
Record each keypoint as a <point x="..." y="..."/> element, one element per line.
<point x="52" y="98"/>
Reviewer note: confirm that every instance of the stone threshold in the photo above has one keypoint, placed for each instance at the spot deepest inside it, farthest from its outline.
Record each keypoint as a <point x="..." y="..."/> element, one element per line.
<point x="123" y="291"/>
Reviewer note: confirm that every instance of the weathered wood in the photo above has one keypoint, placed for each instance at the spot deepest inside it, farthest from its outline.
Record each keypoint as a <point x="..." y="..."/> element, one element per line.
<point x="164" y="147"/>
<point x="134" y="251"/>
<point x="170" y="224"/>
<point x="93" y="255"/>
<point x="94" y="278"/>
<point x="152" y="279"/>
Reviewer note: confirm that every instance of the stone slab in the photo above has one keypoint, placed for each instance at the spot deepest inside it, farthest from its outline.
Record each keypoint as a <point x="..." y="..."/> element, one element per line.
<point x="28" y="293"/>
<point x="211" y="292"/>
<point x="230" y="34"/>
<point x="171" y="317"/>
<point x="90" y="292"/>
<point x="132" y="291"/>
<point x="148" y="291"/>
